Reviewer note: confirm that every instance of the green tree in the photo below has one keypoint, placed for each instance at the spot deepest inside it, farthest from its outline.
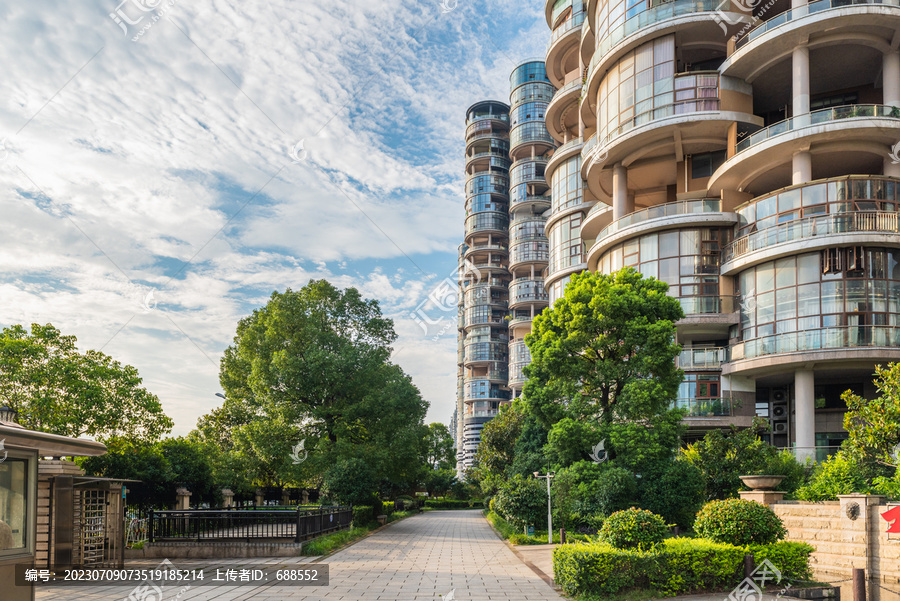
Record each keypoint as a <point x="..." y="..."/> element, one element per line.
<point x="522" y="501"/>
<point x="58" y="389"/>
<point x="439" y="452"/>
<point x="605" y="351"/>
<point x="496" y="451"/>
<point x="873" y="426"/>
<point x="313" y="366"/>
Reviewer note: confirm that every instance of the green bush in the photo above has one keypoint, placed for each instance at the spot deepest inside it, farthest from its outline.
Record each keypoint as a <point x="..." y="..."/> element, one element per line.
<point x="387" y="507"/>
<point x="686" y="565"/>
<point x="839" y="475"/>
<point x="521" y="501"/>
<point x="363" y="515"/>
<point x="452" y="504"/>
<point x="632" y="528"/>
<point x="675" y="567"/>
<point x="791" y="559"/>
<point x="675" y="490"/>
<point x="615" y="490"/>
<point x="586" y="524"/>
<point x="739" y="522"/>
<point x="405" y="503"/>
<point x="349" y="482"/>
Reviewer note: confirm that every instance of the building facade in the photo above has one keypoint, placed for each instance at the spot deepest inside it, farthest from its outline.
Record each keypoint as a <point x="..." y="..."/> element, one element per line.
<point x="505" y="252"/>
<point x="745" y="156"/>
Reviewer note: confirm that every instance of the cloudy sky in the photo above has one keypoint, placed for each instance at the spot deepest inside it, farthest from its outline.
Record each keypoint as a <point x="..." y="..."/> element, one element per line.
<point x="167" y="164"/>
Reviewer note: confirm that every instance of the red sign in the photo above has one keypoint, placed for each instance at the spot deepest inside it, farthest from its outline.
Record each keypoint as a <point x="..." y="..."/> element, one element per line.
<point x="893" y="516"/>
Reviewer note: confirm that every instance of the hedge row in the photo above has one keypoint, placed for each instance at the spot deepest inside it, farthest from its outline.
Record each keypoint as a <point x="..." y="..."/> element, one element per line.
<point x="677" y="566"/>
<point x="453" y="504"/>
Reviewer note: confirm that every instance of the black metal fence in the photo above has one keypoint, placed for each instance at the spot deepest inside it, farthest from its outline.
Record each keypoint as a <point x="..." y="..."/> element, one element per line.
<point x="297" y="523"/>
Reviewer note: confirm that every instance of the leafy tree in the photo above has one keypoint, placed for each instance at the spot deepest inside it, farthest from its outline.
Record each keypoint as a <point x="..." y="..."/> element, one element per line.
<point x="496" y="451"/>
<point x="522" y="501"/>
<point x="439" y="482"/>
<point x="349" y="482"/>
<point x="528" y="453"/>
<point x="439" y="452"/>
<point x="603" y="368"/>
<point x="673" y="489"/>
<point x="57" y="389"/>
<point x="313" y="366"/>
<point x="873" y="426"/>
<point x="605" y="351"/>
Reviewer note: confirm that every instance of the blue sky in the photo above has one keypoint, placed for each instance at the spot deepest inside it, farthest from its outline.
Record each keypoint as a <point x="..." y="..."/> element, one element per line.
<point x="164" y="169"/>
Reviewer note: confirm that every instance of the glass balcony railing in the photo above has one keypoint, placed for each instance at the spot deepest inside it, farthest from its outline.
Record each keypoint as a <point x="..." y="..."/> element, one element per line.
<point x="669" y="209"/>
<point x="828" y="115"/>
<point x="523" y="254"/>
<point x="810" y="227"/>
<point x="573" y="22"/>
<point x="517" y="317"/>
<point x="530" y="200"/>
<point x="530" y="132"/>
<point x="487" y="222"/>
<point x="702" y="358"/>
<point x="839" y="337"/>
<point x="650" y="16"/>
<point x="588" y="147"/>
<point x="721" y="407"/>
<point x="496" y="124"/>
<point x="525" y="290"/>
<point x="708" y="305"/>
<point x="486" y="351"/>
<point x="575" y="84"/>
<point x="790" y="15"/>
<point x="573" y="143"/>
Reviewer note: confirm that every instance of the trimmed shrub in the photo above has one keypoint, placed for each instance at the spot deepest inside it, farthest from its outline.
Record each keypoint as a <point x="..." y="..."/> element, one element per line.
<point x="839" y="475"/>
<point x="675" y="567"/>
<point x="405" y="503"/>
<point x="739" y="522"/>
<point x="452" y="504"/>
<point x="599" y="568"/>
<point x="387" y="507"/>
<point x="632" y="528"/>
<point x="586" y="524"/>
<point x="363" y="515"/>
<point x="687" y="565"/>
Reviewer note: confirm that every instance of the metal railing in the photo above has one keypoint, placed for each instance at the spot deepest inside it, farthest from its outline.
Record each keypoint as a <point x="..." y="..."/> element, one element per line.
<point x="787" y="16"/>
<point x="485" y="123"/>
<point x="839" y="337"/>
<point x="809" y="227"/>
<point x="720" y="407"/>
<point x="815" y="118"/>
<point x="702" y="358"/>
<point x="239" y="524"/>
<point x="669" y="209"/>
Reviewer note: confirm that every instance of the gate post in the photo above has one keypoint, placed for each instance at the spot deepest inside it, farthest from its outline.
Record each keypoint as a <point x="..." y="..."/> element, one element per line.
<point x="150" y="526"/>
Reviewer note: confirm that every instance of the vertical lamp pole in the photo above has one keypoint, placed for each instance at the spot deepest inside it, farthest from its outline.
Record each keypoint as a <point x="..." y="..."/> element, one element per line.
<point x="549" y="512"/>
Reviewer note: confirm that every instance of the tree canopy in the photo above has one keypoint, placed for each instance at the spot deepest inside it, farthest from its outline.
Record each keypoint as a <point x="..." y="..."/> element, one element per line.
<point x="873" y="426"/>
<point x="58" y="389"/>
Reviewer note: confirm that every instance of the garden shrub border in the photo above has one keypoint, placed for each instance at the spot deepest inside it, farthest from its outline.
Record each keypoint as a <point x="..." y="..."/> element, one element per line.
<point x="677" y="566"/>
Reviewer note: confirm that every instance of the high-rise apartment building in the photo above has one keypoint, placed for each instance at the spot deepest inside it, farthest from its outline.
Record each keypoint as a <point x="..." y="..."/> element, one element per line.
<point x="745" y="156"/>
<point x="505" y="249"/>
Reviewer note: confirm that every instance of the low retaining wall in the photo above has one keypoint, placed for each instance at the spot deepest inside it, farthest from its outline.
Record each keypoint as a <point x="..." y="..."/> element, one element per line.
<point x="218" y="550"/>
<point x="848" y="534"/>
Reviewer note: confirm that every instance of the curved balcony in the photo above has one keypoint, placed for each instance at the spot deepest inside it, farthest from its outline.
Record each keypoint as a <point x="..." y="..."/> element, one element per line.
<point x="706" y="213"/>
<point x="490" y="266"/>
<point x="562" y="153"/>
<point x="519" y="357"/>
<point x="490" y="282"/>
<point x="483" y="297"/>
<point x="531" y="203"/>
<point x="530" y="133"/>
<point x="494" y="125"/>
<point x="837" y="229"/>
<point x="656" y="17"/>
<point x="564" y="36"/>
<point x="492" y="157"/>
<point x="527" y="291"/>
<point x="488" y="222"/>
<point x="840" y="344"/>
<point x="486" y="352"/>
<point x="754" y="51"/>
<point x="497" y="372"/>
<point x="484" y="182"/>
<point x="702" y="358"/>
<point x="476" y="318"/>
<point x="485" y="247"/>
<point x="528" y="171"/>
<point x="525" y="253"/>
<point x="518" y="318"/>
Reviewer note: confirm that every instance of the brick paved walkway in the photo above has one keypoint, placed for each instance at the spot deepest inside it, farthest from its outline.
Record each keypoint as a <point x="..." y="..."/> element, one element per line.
<point x="423" y="558"/>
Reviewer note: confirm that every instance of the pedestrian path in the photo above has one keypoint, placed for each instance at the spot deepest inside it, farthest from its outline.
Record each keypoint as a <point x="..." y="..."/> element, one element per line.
<point x="435" y="556"/>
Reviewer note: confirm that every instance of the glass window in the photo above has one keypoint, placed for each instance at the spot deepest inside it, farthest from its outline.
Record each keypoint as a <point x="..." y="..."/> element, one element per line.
<point x="13" y="504"/>
<point x="765" y="277"/>
<point x="785" y="272"/>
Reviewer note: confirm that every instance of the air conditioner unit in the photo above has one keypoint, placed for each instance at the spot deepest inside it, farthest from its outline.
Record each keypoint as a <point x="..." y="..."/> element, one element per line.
<point x="779" y="411"/>
<point x="778" y="395"/>
<point x="780" y="427"/>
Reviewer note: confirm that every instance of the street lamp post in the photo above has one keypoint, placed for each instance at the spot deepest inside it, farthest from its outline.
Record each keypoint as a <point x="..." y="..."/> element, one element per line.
<point x="548" y="477"/>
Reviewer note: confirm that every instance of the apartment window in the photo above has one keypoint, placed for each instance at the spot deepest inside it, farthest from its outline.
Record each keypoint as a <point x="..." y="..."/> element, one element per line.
<point x="566" y="185"/>
<point x="703" y="165"/>
<point x="566" y="247"/>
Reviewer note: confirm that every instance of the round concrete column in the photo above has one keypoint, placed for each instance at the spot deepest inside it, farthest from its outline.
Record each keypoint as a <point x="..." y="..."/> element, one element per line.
<point x="801" y="168"/>
<point x="890" y="77"/>
<point x="800" y="86"/>
<point x="621" y="205"/>
<point x="805" y="413"/>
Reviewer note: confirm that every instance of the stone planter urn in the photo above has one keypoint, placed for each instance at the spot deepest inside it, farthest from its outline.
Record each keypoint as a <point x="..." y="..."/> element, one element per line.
<point x="762" y="482"/>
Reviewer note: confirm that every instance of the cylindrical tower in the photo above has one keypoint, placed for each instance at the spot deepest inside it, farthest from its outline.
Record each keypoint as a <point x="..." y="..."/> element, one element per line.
<point x="460" y="363"/>
<point x="486" y="280"/>
<point x="745" y="156"/>
<point x="530" y="145"/>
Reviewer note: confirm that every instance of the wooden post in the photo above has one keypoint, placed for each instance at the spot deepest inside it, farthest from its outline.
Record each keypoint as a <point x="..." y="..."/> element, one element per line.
<point x="562" y="536"/>
<point x="749" y="565"/>
<point x="859" y="584"/>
